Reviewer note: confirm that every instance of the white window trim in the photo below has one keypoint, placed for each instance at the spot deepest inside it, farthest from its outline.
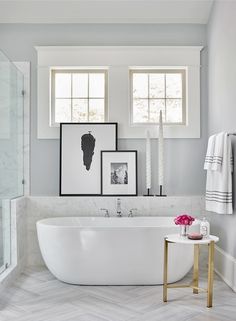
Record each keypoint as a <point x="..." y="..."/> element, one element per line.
<point x="53" y="71"/>
<point x="157" y="70"/>
<point x="119" y="60"/>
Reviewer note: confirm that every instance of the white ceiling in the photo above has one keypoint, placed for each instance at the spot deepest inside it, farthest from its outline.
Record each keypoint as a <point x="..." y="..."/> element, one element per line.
<point x="108" y="11"/>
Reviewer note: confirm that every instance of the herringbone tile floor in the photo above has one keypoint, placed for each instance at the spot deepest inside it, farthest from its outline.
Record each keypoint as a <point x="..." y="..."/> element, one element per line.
<point x="38" y="296"/>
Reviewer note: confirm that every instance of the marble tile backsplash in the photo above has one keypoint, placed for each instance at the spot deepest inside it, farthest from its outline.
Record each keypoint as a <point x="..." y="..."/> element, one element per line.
<point x="44" y="207"/>
<point x="90" y="206"/>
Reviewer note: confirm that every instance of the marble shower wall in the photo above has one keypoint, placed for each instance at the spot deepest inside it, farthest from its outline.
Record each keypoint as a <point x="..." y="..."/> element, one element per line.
<point x="16" y="211"/>
<point x="44" y="207"/>
<point x="11" y="130"/>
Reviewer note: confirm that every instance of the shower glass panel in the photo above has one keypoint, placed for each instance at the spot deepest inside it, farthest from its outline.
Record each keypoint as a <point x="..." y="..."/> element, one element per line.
<point x="11" y="150"/>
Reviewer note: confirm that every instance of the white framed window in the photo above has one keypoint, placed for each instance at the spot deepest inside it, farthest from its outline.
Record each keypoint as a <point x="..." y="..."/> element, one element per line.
<point x="158" y="89"/>
<point x="78" y="95"/>
<point x="119" y="60"/>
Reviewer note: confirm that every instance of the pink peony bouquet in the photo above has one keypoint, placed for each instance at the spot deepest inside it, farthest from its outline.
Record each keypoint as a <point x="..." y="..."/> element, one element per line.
<point x="184" y="219"/>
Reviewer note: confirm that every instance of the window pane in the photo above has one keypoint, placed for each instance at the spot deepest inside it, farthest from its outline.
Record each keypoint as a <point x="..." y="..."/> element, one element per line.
<point x="80" y="85"/>
<point x="62" y="85"/>
<point x="140" y="110"/>
<point x="174" y="110"/>
<point x="62" y="110"/>
<point x="155" y="106"/>
<point x="96" y="110"/>
<point x="96" y="85"/>
<point x="80" y="110"/>
<point x="140" y="85"/>
<point x="156" y="85"/>
<point x="173" y="86"/>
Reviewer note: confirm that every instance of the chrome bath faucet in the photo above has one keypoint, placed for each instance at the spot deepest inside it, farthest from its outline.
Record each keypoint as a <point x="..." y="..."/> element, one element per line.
<point x="106" y="212"/>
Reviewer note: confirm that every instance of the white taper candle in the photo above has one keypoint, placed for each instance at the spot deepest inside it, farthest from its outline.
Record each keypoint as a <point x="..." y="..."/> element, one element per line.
<point x="148" y="160"/>
<point x="161" y="151"/>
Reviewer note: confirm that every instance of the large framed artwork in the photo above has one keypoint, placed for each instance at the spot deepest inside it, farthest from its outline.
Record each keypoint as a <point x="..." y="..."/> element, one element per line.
<point x="80" y="156"/>
<point x="119" y="172"/>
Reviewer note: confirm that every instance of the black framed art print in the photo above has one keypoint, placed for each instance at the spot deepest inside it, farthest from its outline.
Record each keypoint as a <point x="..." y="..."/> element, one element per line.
<point x="119" y="173"/>
<point x="80" y="156"/>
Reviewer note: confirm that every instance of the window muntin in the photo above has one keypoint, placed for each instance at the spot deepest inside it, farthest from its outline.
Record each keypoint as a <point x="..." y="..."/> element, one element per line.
<point x="158" y="89"/>
<point x="78" y="96"/>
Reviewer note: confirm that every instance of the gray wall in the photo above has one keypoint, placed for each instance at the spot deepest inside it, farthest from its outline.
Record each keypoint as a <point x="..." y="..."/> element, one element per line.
<point x="184" y="157"/>
<point x="222" y="98"/>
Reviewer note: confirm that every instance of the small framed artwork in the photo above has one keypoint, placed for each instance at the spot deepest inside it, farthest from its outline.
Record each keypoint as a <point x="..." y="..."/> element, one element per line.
<point x="119" y="172"/>
<point x="80" y="156"/>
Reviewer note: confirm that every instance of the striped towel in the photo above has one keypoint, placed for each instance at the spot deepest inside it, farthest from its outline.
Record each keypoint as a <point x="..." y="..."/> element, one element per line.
<point x="219" y="166"/>
<point x="209" y="159"/>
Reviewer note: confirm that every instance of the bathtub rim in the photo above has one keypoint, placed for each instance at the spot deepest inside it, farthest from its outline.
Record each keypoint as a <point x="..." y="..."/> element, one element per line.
<point x="43" y="222"/>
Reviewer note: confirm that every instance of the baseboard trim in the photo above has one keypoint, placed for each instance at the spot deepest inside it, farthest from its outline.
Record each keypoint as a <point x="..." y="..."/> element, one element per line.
<point x="225" y="267"/>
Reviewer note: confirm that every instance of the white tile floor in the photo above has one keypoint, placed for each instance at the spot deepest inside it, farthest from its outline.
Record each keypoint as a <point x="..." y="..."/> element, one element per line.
<point x="38" y="296"/>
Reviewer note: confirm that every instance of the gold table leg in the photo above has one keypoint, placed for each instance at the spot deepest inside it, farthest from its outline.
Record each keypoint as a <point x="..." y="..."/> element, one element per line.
<point x="165" y="270"/>
<point x="194" y="284"/>
<point x="196" y="268"/>
<point x="211" y="248"/>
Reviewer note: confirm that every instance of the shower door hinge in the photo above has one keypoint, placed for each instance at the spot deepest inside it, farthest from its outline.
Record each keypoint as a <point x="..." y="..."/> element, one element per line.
<point x="23" y="181"/>
<point x="6" y="265"/>
<point x="22" y="92"/>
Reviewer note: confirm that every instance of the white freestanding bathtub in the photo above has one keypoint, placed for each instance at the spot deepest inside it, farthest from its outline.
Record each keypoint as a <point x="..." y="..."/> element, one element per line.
<point x="112" y="251"/>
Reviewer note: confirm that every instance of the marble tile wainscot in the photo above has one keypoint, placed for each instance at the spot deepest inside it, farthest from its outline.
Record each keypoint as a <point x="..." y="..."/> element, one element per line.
<point x="18" y="209"/>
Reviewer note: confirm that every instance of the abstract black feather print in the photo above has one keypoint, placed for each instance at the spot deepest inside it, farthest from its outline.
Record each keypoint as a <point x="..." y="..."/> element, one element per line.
<point x="88" y="146"/>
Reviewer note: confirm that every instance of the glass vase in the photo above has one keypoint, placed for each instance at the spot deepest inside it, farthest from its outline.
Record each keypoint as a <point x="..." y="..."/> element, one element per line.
<point x="184" y="230"/>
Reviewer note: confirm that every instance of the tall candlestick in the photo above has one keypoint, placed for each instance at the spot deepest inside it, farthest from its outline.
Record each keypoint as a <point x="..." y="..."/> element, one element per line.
<point x="148" y="161"/>
<point x="160" y="152"/>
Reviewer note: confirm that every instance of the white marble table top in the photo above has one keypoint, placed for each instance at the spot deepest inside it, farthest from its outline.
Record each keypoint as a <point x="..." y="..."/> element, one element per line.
<point x="176" y="238"/>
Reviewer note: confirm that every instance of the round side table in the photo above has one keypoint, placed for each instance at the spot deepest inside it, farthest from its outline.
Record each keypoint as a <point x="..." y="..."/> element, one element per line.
<point x="175" y="238"/>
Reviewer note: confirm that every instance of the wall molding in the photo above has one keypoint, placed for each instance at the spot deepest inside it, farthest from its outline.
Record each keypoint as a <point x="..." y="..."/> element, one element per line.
<point x="225" y="267"/>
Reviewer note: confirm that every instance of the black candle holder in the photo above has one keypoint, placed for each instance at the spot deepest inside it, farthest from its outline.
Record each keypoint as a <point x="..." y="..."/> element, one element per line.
<point x="148" y="193"/>
<point x="161" y="192"/>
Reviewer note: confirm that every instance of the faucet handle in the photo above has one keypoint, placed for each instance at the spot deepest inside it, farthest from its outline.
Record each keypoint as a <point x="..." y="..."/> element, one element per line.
<point x="131" y="212"/>
<point x="106" y="212"/>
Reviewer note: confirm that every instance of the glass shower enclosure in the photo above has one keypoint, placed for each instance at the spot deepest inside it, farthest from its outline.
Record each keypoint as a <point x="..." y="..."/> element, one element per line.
<point x="11" y="150"/>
